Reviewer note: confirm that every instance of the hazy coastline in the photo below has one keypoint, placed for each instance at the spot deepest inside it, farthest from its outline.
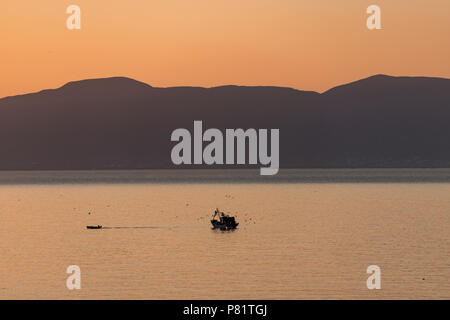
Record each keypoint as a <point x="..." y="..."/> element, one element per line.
<point x="194" y="176"/>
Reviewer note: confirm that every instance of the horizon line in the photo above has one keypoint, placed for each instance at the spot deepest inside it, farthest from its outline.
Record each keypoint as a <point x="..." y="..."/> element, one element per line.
<point x="220" y="86"/>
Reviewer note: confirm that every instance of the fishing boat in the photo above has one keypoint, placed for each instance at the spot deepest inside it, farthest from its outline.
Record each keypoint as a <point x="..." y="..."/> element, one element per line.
<point x="224" y="221"/>
<point x="94" y="227"/>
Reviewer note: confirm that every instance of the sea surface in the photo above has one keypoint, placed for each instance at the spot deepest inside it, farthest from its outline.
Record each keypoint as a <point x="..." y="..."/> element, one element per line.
<point x="303" y="234"/>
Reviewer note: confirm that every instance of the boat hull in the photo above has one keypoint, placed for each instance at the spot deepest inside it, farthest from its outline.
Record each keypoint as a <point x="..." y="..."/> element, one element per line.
<point x="93" y="227"/>
<point x="223" y="226"/>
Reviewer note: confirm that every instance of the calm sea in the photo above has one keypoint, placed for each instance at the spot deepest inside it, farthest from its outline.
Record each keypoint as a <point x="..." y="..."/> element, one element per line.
<point x="303" y="234"/>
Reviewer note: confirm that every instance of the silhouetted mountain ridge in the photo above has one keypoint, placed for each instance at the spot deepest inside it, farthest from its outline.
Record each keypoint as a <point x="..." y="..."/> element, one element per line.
<point x="118" y="122"/>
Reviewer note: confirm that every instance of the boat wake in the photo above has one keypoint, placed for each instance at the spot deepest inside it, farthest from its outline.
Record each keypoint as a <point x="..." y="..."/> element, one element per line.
<point x="145" y="227"/>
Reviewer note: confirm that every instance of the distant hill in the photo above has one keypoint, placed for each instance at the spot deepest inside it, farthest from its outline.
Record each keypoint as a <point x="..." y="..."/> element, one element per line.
<point x="114" y="123"/>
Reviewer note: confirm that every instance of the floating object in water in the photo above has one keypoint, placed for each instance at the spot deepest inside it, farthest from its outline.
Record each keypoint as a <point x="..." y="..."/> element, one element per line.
<point x="94" y="227"/>
<point x="225" y="221"/>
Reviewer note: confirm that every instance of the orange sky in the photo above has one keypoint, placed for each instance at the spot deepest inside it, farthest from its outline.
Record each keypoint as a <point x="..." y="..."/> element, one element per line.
<point x="305" y="44"/>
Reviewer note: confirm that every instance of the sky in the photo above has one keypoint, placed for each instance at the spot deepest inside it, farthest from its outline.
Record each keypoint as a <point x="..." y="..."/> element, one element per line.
<point x="304" y="44"/>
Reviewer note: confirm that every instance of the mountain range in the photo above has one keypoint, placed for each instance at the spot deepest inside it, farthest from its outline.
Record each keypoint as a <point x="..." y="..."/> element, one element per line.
<point x="121" y="123"/>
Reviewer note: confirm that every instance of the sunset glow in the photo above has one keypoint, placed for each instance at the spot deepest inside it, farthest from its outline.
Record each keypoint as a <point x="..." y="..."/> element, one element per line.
<point x="309" y="45"/>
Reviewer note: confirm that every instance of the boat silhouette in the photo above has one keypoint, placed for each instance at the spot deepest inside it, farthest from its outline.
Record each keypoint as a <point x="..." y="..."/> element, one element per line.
<point x="225" y="222"/>
<point x="94" y="227"/>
